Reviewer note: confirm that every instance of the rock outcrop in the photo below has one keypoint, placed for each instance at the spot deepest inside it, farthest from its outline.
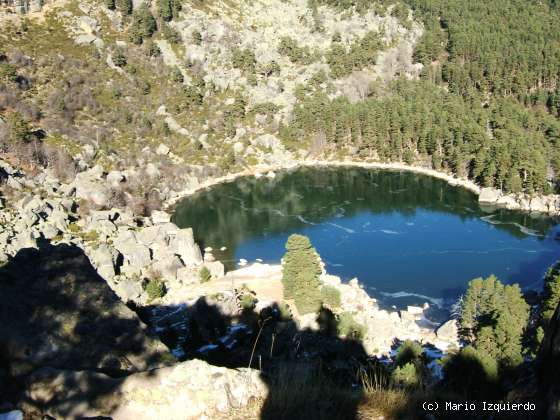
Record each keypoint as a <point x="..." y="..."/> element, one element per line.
<point x="89" y="188"/>
<point x="124" y="249"/>
<point x="58" y="312"/>
<point x="187" y="391"/>
<point x="539" y="204"/>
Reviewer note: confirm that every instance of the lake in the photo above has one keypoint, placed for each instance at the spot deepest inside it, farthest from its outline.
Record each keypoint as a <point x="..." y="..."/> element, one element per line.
<point x="408" y="238"/>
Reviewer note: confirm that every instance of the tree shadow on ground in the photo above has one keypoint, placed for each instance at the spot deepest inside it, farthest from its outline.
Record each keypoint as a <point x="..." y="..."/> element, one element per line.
<point x="59" y="319"/>
<point x="309" y="373"/>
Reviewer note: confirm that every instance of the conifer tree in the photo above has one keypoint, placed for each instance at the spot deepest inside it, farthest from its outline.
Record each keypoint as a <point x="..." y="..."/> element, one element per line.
<point x="124" y="6"/>
<point x="300" y="274"/>
<point x="143" y="24"/>
<point x="551" y="296"/>
<point x="471" y="372"/>
<point x="168" y="9"/>
<point x="494" y="318"/>
<point x="19" y="129"/>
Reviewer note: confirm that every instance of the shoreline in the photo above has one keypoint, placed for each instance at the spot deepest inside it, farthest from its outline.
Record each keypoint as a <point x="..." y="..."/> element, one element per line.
<point x="540" y="204"/>
<point x="262" y="170"/>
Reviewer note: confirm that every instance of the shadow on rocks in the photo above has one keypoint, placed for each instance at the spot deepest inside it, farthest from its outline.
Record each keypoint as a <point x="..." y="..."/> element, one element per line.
<point x="67" y="344"/>
<point x="59" y="316"/>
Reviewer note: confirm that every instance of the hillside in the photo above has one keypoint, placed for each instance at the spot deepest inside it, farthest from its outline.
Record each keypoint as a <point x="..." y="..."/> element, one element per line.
<point x="216" y="80"/>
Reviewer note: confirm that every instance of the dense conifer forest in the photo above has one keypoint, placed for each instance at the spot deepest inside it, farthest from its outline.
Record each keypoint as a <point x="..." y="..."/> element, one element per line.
<point x="486" y="107"/>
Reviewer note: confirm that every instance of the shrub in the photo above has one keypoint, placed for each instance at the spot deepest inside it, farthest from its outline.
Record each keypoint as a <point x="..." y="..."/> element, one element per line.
<point x="349" y="327"/>
<point x="155" y="289"/>
<point x="176" y="75"/>
<point x="289" y="47"/>
<point x="227" y="161"/>
<point x="110" y="4"/>
<point x="408" y="352"/>
<point x="196" y="37"/>
<point x="244" y="59"/>
<point x="119" y="59"/>
<point x="269" y="69"/>
<point x="330" y="296"/>
<point x="153" y="50"/>
<point x="145" y="88"/>
<point x="266" y="108"/>
<point x="405" y="376"/>
<point x="73" y="228"/>
<point x="170" y="34"/>
<point x="91" y="236"/>
<point x="204" y="274"/>
<point x="8" y="72"/>
<point x="247" y="301"/>
<point x="19" y="130"/>
<point x="193" y="95"/>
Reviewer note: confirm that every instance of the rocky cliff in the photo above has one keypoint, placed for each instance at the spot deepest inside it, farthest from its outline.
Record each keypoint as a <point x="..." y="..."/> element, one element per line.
<point x="58" y="312"/>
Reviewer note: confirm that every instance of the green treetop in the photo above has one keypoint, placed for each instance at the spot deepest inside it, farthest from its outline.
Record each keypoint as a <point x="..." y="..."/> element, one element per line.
<point x="494" y="318"/>
<point x="124" y="6"/>
<point x="19" y="129"/>
<point x="143" y="24"/>
<point x="301" y="269"/>
<point x="551" y="297"/>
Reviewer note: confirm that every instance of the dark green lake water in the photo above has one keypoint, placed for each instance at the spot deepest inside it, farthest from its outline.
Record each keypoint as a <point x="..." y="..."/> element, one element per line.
<point x="409" y="238"/>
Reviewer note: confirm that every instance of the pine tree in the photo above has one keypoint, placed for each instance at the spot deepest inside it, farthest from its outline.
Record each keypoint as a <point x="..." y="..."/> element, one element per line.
<point x="165" y="9"/>
<point x="143" y="24"/>
<point x="170" y="34"/>
<point x="124" y="6"/>
<point x="300" y="274"/>
<point x="494" y="318"/>
<point x="19" y="129"/>
<point x="471" y="372"/>
<point x="119" y="59"/>
<point x="551" y="295"/>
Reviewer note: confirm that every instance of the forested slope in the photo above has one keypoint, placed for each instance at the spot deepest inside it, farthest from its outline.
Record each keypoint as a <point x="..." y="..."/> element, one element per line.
<point x="487" y="106"/>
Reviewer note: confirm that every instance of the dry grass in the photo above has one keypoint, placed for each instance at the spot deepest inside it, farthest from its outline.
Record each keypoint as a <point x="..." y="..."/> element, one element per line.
<point x="386" y="404"/>
<point x="302" y="391"/>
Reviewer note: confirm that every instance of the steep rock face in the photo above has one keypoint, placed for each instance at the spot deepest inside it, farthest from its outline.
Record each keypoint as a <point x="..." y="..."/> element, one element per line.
<point x="548" y="367"/>
<point x="58" y="312"/>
